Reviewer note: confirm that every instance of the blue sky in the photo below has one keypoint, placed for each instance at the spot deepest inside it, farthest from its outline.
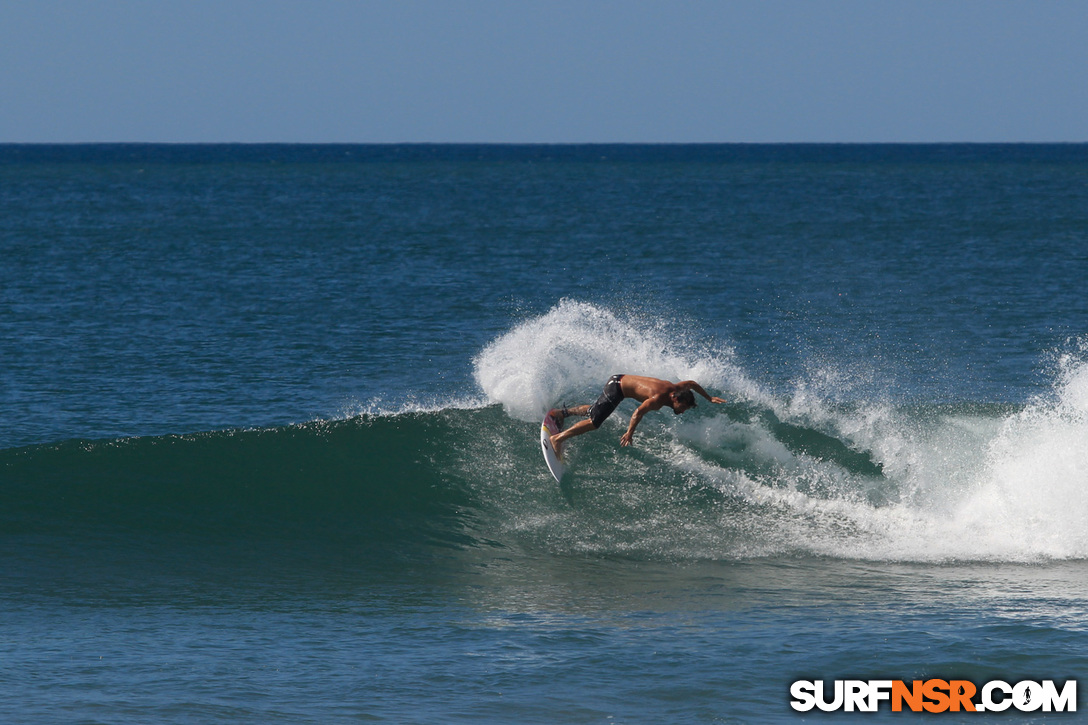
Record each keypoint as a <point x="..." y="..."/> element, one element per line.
<point x="543" y="72"/>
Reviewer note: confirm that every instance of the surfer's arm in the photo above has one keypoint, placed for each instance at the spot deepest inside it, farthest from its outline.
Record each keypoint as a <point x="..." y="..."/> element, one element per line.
<point x="647" y="405"/>
<point x="692" y="385"/>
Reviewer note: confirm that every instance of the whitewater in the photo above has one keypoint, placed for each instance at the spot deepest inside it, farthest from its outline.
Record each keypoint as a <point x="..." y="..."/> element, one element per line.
<point x="895" y="483"/>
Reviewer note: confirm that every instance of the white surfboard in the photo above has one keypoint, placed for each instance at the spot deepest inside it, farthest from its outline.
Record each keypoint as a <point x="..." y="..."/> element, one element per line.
<point x="555" y="464"/>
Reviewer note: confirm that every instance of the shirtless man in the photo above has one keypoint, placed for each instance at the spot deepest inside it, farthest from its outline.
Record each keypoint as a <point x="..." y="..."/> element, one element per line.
<point x="653" y="394"/>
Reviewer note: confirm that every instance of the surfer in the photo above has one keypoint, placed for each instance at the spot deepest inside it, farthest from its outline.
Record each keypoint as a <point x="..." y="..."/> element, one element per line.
<point x="652" y="393"/>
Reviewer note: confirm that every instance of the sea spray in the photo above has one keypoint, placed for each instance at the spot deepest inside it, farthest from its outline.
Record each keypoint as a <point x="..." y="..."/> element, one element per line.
<point x="567" y="355"/>
<point x="1033" y="494"/>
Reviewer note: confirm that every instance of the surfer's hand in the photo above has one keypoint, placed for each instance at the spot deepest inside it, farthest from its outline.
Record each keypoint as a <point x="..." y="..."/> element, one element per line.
<point x="625" y="439"/>
<point x="716" y="399"/>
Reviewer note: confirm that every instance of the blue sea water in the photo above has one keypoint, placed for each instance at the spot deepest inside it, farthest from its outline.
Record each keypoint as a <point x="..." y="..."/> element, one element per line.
<point x="268" y="450"/>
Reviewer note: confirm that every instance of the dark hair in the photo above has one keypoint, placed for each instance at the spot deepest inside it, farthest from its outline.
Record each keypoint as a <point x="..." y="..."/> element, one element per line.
<point x="687" y="398"/>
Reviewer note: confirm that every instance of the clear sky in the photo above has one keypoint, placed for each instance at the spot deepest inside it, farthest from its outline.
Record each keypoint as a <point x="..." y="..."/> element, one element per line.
<point x="543" y="72"/>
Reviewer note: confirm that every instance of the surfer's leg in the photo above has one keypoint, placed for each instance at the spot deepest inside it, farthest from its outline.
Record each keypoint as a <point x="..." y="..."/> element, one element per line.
<point x="578" y="412"/>
<point x="582" y="426"/>
<point x="597" y="413"/>
<point x="561" y="414"/>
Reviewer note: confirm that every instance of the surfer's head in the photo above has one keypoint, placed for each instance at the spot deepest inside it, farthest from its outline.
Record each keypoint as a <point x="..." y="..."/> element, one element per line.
<point x="682" y="401"/>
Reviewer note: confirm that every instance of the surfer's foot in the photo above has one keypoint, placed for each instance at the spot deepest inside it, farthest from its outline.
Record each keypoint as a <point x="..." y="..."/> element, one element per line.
<point x="557" y="447"/>
<point x="559" y="415"/>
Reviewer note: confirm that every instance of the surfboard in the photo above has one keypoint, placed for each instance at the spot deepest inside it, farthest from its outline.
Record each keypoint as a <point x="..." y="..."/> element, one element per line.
<point x="555" y="464"/>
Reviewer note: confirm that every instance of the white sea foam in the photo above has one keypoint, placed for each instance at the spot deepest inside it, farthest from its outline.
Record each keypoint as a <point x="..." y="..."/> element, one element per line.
<point x="1032" y="492"/>
<point x="969" y="488"/>
<point x="381" y="408"/>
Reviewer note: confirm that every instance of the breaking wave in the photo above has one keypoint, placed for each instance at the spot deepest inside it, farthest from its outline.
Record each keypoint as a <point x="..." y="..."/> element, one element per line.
<point x="767" y="474"/>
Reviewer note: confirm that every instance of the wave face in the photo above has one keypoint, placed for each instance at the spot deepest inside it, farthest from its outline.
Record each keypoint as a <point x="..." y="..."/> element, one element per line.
<point x="770" y="474"/>
<point x="364" y="477"/>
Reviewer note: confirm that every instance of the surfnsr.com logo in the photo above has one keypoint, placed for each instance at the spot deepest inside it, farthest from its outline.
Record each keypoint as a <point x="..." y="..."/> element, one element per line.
<point x="934" y="696"/>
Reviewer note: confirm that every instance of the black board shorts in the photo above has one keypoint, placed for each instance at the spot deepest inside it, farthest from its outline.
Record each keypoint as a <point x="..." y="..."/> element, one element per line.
<point x="610" y="398"/>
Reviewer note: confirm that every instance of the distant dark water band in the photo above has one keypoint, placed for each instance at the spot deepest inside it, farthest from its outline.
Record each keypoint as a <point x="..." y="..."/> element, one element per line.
<point x="123" y="153"/>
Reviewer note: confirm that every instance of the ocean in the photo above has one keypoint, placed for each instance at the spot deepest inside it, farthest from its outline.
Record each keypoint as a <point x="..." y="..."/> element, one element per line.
<point x="269" y="445"/>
